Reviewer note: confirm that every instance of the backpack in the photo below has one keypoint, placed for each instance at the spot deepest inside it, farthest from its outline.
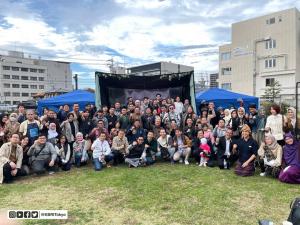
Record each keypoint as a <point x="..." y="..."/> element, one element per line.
<point x="294" y="216"/>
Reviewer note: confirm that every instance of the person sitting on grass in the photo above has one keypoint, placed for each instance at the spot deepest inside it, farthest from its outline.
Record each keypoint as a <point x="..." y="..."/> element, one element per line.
<point x="182" y="146"/>
<point x="101" y="152"/>
<point x="80" y="155"/>
<point x="63" y="153"/>
<point x="11" y="155"/>
<point x="246" y="148"/>
<point x="291" y="160"/>
<point x="165" y="145"/>
<point x="225" y="156"/>
<point x="119" y="147"/>
<point x="135" y="153"/>
<point x="42" y="156"/>
<point x="24" y="142"/>
<point x="151" y="148"/>
<point x="270" y="156"/>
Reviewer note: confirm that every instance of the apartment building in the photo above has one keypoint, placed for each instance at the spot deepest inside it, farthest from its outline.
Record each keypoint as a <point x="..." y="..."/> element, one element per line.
<point x="21" y="78"/>
<point x="263" y="50"/>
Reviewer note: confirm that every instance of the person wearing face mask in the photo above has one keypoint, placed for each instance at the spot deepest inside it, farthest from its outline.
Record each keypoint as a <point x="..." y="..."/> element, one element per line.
<point x="12" y="125"/>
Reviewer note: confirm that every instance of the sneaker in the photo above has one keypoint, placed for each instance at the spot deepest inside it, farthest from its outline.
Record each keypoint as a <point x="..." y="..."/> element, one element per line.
<point x="180" y="161"/>
<point x="51" y="172"/>
<point x="262" y="174"/>
<point x="204" y="164"/>
<point x="200" y="164"/>
<point x="186" y="162"/>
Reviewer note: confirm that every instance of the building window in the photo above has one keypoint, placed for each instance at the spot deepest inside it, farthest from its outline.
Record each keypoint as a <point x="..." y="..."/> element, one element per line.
<point x="16" y="94"/>
<point x="6" y="85"/>
<point x="270" y="44"/>
<point x="41" y="71"/>
<point x="15" y="85"/>
<point x="25" y="94"/>
<point x="33" y="78"/>
<point x="33" y="86"/>
<point x="33" y="70"/>
<point x="24" y="69"/>
<point x="25" y="86"/>
<point x="270" y="21"/>
<point x="270" y="63"/>
<point x="6" y="94"/>
<point x="226" y="71"/>
<point x="6" y="67"/>
<point x="279" y="19"/>
<point x="15" y="77"/>
<point x="225" y="56"/>
<point x="226" y="86"/>
<point x="41" y="86"/>
<point x="7" y="102"/>
<point x="270" y="82"/>
<point x="24" y="78"/>
<point x="41" y="79"/>
<point x="6" y="76"/>
<point x="16" y="102"/>
<point x="13" y="68"/>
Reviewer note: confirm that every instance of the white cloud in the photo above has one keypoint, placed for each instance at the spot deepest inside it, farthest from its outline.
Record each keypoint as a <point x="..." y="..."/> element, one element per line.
<point x="146" y="4"/>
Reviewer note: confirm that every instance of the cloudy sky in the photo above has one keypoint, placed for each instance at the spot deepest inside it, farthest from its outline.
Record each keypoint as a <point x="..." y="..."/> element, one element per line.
<point x="131" y="32"/>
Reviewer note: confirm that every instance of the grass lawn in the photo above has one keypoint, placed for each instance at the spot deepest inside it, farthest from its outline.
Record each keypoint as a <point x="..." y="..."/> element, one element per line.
<point x="159" y="194"/>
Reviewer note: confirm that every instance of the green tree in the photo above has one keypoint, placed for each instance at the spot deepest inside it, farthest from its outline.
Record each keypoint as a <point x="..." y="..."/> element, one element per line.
<point x="273" y="91"/>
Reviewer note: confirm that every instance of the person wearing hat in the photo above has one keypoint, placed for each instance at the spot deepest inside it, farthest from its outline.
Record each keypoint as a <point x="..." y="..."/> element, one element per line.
<point x="291" y="160"/>
<point x="246" y="149"/>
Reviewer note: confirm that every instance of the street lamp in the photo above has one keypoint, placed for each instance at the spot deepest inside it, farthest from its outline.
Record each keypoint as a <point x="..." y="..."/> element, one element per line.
<point x="297" y="121"/>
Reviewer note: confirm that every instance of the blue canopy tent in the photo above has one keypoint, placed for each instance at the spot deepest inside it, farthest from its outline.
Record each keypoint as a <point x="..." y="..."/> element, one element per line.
<point x="79" y="96"/>
<point x="225" y="99"/>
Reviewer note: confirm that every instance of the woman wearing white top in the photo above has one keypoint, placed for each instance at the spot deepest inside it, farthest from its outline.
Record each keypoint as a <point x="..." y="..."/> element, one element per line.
<point x="178" y="106"/>
<point x="274" y="124"/>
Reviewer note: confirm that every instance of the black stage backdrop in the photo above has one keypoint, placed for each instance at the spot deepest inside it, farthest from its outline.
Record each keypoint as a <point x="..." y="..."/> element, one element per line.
<point x="115" y="87"/>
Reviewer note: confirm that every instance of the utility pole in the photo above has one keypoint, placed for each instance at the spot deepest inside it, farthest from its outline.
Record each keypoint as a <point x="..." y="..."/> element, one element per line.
<point x="76" y="81"/>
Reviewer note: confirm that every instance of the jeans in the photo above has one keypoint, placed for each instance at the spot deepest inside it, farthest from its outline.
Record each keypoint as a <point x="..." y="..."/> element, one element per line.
<point x="98" y="165"/>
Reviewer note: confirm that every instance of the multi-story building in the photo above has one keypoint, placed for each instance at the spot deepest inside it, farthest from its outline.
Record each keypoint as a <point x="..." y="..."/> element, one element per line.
<point x="213" y="83"/>
<point x="263" y="50"/>
<point x="21" y="78"/>
<point x="159" y="68"/>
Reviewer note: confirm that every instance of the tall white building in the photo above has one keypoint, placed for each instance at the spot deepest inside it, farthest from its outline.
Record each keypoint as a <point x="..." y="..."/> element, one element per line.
<point x="263" y="50"/>
<point x="21" y="77"/>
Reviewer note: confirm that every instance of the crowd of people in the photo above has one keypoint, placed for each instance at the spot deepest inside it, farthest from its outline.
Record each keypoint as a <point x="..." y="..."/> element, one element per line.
<point x="143" y="132"/>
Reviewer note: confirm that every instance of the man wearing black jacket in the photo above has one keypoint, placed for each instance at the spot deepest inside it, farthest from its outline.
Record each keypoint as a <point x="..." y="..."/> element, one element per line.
<point x="225" y="154"/>
<point x="135" y="153"/>
<point x="85" y="123"/>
